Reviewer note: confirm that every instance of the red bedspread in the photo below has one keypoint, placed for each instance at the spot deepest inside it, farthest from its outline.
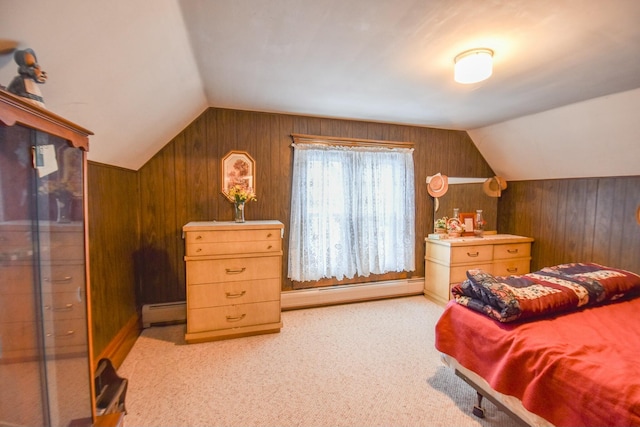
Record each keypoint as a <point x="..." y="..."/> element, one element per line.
<point x="576" y="369"/>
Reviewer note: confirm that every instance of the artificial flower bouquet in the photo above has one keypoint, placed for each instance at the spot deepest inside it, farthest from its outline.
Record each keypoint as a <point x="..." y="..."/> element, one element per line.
<point x="240" y="194"/>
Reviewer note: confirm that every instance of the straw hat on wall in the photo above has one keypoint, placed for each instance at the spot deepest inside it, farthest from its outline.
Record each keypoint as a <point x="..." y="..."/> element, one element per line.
<point x="494" y="186"/>
<point x="437" y="185"/>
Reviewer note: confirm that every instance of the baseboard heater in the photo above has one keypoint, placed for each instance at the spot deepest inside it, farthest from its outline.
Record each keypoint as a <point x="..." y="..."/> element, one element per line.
<point x="164" y="313"/>
<point x="351" y="293"/>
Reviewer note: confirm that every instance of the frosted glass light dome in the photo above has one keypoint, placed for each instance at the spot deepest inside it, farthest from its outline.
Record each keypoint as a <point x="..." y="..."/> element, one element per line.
<point x="473" y="66"/>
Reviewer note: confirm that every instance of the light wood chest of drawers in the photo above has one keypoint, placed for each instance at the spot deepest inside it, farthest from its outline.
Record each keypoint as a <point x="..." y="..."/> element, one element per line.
<point x="234" y="279"/>
<point x="447" y="261"/>
<point x="58" y="304"/>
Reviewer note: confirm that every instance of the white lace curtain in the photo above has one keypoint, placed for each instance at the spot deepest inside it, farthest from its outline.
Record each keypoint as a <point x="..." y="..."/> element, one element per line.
<point x="352" y="212"/>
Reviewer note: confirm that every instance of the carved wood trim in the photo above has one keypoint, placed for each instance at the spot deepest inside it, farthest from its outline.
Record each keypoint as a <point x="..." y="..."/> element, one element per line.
<point x="352" y="142"/>
<point x="14" y="109"/>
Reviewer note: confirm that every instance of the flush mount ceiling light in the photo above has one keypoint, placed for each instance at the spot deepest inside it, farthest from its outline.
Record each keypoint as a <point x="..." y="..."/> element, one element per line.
<point x="473" y="66"/>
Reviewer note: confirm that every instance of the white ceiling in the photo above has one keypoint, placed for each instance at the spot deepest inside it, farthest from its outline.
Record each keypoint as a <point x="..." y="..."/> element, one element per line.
<point x="563" y="100"/>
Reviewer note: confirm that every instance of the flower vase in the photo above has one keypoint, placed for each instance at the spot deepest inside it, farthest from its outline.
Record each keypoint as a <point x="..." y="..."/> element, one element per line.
<point x="64" y="209"/>
<point x="238" y="209"/>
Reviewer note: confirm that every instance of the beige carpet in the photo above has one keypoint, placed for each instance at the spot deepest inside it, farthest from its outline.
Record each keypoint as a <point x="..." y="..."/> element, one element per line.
<point x="364" y="364"/>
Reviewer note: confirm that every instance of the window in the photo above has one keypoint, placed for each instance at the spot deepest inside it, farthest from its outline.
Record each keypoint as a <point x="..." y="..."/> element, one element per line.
<point x="352" y="211"/>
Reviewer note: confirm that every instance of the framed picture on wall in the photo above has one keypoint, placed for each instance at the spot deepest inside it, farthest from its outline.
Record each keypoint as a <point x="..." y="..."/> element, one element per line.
<point x="468" y="220"/>
<point x="238" y="168"/>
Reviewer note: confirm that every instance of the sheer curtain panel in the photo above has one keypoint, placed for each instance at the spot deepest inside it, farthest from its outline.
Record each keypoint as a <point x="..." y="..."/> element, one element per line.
<point x="352" y="212"/>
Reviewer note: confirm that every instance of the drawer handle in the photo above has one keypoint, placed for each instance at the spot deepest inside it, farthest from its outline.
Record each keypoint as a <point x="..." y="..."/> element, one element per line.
<point x="67" y="334"/>
<point x="235" y="271"/>
<point x="512" y="270"/>
<point x="61" y="280"/>
<point x="269" y="235"/>
<point x="236" y="295"/>
<point x="235" y="318"/>
<point x="269" y="247"/>
<point x="199" y="250"/>
<point x="198" y="237"/>
<point x="67" y="307"/>
<point x="512" y="251"/>
<point x="473" y="255"/>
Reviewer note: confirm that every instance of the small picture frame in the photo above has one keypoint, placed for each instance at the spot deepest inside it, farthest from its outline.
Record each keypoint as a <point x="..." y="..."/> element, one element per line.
<point x="469" y="222"/>
<point x="238" y="168"/>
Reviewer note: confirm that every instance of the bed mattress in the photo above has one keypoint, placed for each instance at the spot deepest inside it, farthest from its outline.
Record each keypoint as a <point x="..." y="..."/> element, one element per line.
<point x="576" y="369"/>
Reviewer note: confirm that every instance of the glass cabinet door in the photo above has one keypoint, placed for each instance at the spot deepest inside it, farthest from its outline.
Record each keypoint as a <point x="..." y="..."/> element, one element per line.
<point x="45" y="369"/>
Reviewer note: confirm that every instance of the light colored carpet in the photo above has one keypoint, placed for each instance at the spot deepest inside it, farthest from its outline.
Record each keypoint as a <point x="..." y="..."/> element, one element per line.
<point x="364" y="364"/>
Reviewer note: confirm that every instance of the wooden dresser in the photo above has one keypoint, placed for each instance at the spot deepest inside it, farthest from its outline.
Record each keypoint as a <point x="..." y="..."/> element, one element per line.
<point x="447" y="261"/>
<point x="234" y="279"/>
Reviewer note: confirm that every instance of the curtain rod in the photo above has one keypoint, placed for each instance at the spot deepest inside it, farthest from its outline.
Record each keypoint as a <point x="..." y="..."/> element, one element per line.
<point x="354" y="142"/>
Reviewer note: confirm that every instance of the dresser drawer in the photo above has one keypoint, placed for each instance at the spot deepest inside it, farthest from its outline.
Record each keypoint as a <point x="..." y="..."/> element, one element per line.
<point x="63" y="278"/>
<point x="511" y="267"/>
<point x="224" y="248"/>
<point x="16" y="279"/>
<point x="232" y="241"/>
<point x="63" y="305"/>
<point x="515" y="250"/>
<point x="18" y="336"/>
<point x="242" y="292"/>
<point x="17" y="308"/>
<point x="14" y="238"/>
<point x="232" y="316"/>
<point x="471" y="254"/>
<point x="233" y="269"/>
<point x="65" y="333"/>
<point x="61" y="246"/>
<point x="459" y="273"/>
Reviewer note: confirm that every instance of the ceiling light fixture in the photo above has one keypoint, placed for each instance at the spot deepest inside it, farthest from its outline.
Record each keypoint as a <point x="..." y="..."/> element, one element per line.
<point x="473" y="66"/>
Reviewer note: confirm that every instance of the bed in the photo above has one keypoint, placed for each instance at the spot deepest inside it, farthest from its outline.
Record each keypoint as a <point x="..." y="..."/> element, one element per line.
<point x="560" y="346"/>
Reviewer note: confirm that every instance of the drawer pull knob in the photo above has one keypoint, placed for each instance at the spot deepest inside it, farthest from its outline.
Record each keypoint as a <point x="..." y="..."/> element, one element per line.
<point x="269" y="235"/>
<point x="473" y="254"/>
<point x="66" y="307"/>
<point x="65" y="335"/>
<point x="198" y="237"/>
<point x="235" y="295"/>
<point x="199" y="250"/>
<point x="61" y="280"/>
<point x="512" y="270"/>
<point x="269" y="247"/>
<point x="235" y="271"/>
<point x="235" y="318"/>
<point x="512" y="251"/>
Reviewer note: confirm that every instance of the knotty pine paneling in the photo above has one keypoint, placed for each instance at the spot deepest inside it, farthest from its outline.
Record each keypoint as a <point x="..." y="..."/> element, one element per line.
<point x="574" y="220"/>
<point x="182" y="183"/>
<point x="113" y="240"/>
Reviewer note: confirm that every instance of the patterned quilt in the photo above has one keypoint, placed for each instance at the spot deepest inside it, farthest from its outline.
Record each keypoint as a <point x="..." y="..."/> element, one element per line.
<point x="552" y="290"/>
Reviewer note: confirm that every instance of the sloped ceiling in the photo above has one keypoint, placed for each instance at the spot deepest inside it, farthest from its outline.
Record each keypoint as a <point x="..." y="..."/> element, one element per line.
<point x="563" y="100"/>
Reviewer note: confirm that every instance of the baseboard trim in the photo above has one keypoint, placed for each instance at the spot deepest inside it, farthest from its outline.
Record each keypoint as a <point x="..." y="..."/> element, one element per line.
<point x="121" y="344"/>
<point x="330" y="295"/>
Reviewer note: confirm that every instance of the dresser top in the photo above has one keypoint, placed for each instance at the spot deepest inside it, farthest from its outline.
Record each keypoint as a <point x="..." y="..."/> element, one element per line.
<point x="490" y="239"/>
<point x="231" y="225"/>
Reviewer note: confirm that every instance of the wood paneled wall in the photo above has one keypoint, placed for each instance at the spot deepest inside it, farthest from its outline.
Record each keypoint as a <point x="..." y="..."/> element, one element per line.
<point x="573" y="220"/>
<point x="135" y="218"/>
<point x="113" y="241"/>
<point x="182" y="182"/>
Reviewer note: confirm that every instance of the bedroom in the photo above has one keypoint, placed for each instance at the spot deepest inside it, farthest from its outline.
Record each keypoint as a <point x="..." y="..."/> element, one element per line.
<point x="575" y="209"/>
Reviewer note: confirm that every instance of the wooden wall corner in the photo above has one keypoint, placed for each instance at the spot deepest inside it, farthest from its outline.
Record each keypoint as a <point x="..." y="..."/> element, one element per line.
<point x="121" y="344"/>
